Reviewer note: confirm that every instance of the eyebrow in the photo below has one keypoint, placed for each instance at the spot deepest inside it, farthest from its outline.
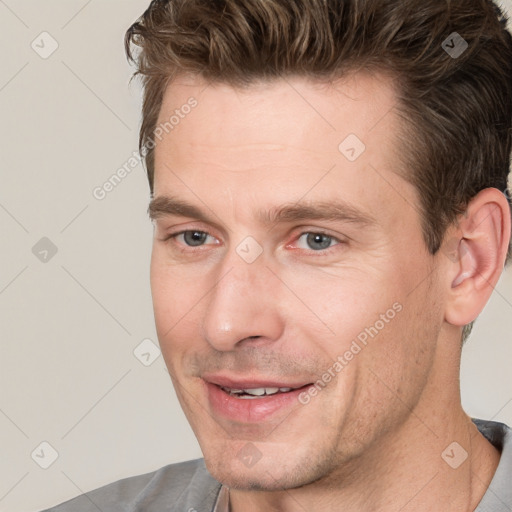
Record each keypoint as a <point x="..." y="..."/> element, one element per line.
<point x="165" y="206"/>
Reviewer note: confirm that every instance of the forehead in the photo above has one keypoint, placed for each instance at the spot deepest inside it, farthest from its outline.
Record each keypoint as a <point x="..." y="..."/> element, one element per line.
<point x="280" y="141"/>
<point x="281" y="113"/>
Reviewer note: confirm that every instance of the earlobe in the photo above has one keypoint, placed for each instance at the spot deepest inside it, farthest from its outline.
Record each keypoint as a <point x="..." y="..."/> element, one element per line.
<point x="484" y="233"/>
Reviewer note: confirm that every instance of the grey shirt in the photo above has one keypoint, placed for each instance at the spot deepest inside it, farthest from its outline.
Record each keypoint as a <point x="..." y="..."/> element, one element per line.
<point x="188" y="487"/>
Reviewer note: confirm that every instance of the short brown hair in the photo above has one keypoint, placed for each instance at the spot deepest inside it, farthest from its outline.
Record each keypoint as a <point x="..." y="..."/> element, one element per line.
<point x="456" y="102"/>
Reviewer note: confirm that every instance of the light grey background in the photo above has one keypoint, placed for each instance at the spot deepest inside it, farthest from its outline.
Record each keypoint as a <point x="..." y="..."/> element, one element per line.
<point x="69" y="325"/>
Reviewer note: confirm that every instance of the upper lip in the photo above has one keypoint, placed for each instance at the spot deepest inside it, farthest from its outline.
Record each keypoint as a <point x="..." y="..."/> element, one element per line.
<point x="229" y="382"/>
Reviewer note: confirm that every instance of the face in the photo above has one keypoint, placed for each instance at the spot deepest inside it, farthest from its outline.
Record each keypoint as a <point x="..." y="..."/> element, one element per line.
<point x="296" y="305"/>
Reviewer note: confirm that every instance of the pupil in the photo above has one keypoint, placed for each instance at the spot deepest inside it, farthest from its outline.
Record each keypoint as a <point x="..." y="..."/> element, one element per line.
<point x="194" y="238"/>
<point x="318" y="241"/>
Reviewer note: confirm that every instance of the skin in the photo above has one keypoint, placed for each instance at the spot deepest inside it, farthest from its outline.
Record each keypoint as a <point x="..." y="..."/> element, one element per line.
<point x="372" y="438"/>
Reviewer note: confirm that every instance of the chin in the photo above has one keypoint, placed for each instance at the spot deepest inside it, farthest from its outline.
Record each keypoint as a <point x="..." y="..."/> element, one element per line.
<point x="251" y="479"/>
<point x="270" y="473"/>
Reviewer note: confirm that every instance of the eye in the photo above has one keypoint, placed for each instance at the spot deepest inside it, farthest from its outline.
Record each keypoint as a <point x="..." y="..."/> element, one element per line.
<point x="312" y="241"/>
<point x="191" y="238"/>
<point x="316" y="241"/>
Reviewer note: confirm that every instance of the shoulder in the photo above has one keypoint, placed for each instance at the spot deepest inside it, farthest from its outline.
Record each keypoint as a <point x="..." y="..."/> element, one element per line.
<point x="499" y="495"/>
<point x="497" y="433"/>
<point x="183" y="486"/>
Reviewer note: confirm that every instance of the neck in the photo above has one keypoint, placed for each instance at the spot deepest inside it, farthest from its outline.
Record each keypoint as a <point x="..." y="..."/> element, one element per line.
<point x="437" y="460"/>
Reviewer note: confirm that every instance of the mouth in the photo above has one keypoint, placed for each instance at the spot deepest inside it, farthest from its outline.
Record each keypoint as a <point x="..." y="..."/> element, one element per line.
<point x="244" y="401"/>
<point x="255" y="393"/>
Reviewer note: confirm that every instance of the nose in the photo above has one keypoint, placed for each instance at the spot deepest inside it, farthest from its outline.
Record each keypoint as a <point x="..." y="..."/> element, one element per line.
<point x="243" y="306"/>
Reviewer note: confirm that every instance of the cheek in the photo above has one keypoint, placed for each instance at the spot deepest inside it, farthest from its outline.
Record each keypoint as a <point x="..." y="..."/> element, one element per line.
<point x="399" y="360"/>
<point x="376" y="327"/>
<point x="174" y="297"/>
<point x="342" y="305"/>
<point x="175" y="291"/>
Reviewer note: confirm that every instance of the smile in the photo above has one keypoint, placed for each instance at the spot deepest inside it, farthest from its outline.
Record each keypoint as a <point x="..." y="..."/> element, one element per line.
<point x="255" y="392"/>
<point x="252" y="401"/>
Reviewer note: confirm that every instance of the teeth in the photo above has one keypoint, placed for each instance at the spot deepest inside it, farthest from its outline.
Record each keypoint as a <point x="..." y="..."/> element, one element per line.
<point x="255" y="392"/>
<point x="258" y="391"/>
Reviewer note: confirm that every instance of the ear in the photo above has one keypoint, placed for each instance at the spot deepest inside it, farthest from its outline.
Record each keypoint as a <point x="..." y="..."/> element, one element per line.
<point x="479" y="246"/>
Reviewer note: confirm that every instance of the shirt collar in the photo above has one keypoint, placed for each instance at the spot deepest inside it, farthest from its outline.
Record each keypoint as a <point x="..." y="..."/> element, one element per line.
<point x="222" y="503"/>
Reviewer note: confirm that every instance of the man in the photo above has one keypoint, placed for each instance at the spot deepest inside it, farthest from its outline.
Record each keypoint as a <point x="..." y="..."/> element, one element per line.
<point x="330" y="206"/>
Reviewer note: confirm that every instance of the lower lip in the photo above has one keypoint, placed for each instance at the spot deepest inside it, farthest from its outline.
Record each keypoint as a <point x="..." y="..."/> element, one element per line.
<point x="251" y="410"/>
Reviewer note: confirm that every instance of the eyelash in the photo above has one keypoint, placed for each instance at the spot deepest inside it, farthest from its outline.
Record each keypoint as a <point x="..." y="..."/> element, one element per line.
<point x="321" y="252"/>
